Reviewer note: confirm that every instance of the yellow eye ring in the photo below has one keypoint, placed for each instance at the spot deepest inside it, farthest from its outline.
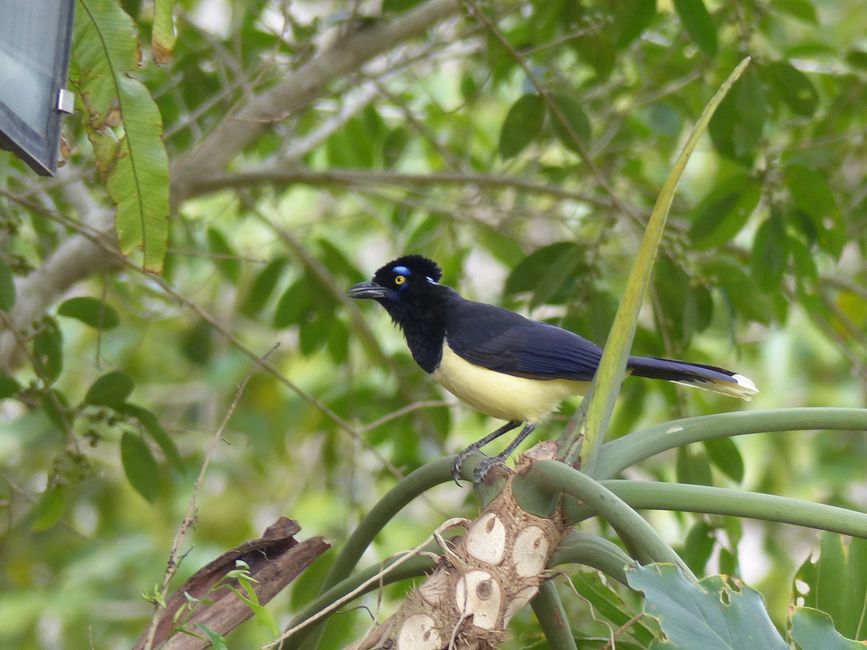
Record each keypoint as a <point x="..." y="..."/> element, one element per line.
<point x="399" y="280"/>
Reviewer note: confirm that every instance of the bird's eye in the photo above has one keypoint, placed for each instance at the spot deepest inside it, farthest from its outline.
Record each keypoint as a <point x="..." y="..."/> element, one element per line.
<point x="399" y="279"/>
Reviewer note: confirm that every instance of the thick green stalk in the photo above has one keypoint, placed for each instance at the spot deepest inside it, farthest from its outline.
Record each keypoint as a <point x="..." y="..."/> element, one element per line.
<point x="633" y="528"/>
<point x="650" y="495"/>
<point x="612" y="367"/>
<point x="579" y="547"/>
<point x="624" y="452"/>
<point x="552" y="617"/>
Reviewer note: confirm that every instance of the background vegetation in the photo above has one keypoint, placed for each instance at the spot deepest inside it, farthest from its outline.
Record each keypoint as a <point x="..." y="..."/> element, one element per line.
<point x="307" y="143"/>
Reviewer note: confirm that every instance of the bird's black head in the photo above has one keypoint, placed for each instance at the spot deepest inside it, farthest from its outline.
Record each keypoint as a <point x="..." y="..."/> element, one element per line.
<point x="408" y="289"/>
<point x="401" y="284"/>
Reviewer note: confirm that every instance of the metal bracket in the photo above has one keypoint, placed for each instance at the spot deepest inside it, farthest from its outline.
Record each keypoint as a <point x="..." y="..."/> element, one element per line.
<point x="65" y="101"/>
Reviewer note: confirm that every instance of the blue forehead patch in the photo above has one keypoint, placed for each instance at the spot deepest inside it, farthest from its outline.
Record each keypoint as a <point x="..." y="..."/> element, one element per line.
<point x="401" y="270"/>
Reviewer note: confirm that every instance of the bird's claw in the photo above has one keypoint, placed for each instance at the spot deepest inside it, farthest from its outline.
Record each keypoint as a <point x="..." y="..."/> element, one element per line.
<point x="458" y="463"/>
<point x="481" y="470"/>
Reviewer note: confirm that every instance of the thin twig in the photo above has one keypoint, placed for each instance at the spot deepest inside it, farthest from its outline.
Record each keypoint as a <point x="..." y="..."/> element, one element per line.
<point x="192" y="507"/>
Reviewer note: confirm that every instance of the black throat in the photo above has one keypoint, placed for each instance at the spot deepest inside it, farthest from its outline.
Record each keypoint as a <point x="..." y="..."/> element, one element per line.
<point x="423" y="324"/>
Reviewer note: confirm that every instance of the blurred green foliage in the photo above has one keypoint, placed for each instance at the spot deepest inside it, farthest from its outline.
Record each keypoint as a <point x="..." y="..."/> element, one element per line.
<point x="444" y="147"/>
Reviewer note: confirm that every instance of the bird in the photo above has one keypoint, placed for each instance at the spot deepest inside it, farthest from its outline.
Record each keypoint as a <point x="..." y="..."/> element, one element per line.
<point x="501" y="363"/>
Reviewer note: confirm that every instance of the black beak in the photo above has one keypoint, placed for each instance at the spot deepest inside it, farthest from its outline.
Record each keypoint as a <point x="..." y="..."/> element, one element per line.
<point x="367" y="290"/>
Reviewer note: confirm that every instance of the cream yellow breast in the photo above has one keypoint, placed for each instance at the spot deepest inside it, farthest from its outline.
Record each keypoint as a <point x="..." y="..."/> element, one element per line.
<point x="503" y="396"/>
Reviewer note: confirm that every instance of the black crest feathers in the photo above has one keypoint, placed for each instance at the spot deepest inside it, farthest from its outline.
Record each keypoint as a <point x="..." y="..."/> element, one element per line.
<point x="417" y="264"/>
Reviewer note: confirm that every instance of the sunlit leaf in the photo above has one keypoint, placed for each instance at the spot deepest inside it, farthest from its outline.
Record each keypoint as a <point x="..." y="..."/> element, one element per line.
<point x="133" y="163"/>
<point x="163" y="34"/>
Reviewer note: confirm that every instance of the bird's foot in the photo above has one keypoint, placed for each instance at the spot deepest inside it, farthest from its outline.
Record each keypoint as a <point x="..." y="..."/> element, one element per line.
<point x="482" y="469"/>
<point x="459" y="462"/>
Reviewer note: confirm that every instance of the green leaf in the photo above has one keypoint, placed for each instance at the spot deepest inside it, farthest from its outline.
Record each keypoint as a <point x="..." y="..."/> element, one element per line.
<point x="802" y="9"/>
<point x="156" y="431"/>
<point x="698" y="547"/>
<point x="139" y="465"/>
<point x="610" y="605"/>
<point x="522" y="125"/>
<point x="163" y="34"/>
<point x="811" y="193"/>
<point x="263" y="286"/>
<point x="577" y="120"/>
<point x="719" y="613"/>
<point x="725" y="455"/>
<point x="770" y="253"/>
<point x="793" y="87"/>
<point x="225" y="258"/>
<point x="724" y="211"/>
<point x="8" y="386"/>
<point x="48" y="351"/>
<point x="813" y="629"/>
<point x="112" y="390"/>
<point x="49" y="509"/>
<point x="293" y="304"/>
<point x="698" y="24"/>
<point x="133" y="163"/>
<point x="7" y="287"/>
<point x="631" y="17"/>
<point x="217" y="640"/>
<point x="736" y="128"/>
<point x="836" y="583"/>
<point x="90" y="311"/>
<point x="693" y="467"/>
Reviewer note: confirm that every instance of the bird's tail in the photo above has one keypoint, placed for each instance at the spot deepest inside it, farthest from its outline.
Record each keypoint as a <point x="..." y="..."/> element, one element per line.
<point x="718" y="380"/>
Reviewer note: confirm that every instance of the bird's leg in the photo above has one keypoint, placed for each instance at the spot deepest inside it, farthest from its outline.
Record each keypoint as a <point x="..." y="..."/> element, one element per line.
<point x="485" y="466"/>
<point x="462" y="456"/>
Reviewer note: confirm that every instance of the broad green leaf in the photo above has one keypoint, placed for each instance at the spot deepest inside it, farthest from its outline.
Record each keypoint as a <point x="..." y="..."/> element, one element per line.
<point x="736" y="128"/>
<point x="49" y="509"/>
<point x="631" y="17"/>
<point x="770" y="252"/>
<point x="90" y="311"/>
<point x="724" y="211"/>
<point x="725" y="455"/>
<point x="225" y="257"/>
<point x="549" y="272"/>
<point x="718" y="613"/>
<point x="139" y="465"/>
<point x="163" y="34"/>
<point x="112" y="390"/>
<point x="133" y="162"/>
<point x="598" y="50"/>
<point x="836" y="583"/>
<point x="263" y="286"/>
<point x="156" y="431"/>
<point x="217" y="640"/>
<point x="793" y="87"/>
<point x="576" y="118"/>
<point x="48" y="351"/>
<point x="522" y="125"/>
<point x="8" y="386"/>
<point x="813" y="629"/>
<point x="698" y="24"/>
<point x="7" y="287"/>
<point x="811" y="193"/>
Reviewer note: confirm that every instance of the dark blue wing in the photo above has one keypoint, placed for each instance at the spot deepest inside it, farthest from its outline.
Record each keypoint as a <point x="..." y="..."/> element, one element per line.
<point x="501" y="340"/>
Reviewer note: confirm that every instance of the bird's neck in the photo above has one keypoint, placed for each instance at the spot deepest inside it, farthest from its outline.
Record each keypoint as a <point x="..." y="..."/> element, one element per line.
<point x="424" y="325"/>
